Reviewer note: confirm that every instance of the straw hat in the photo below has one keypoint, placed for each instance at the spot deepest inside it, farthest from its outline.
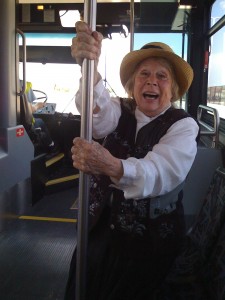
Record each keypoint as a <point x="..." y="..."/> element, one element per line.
<point x="183" y="71"/>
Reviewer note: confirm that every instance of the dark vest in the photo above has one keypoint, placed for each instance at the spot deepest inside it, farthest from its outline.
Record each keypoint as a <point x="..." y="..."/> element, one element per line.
<point x="130" y="215"/>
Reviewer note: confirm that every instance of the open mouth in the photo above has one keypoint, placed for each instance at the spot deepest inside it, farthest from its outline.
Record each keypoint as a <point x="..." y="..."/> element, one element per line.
<point x="150" y="96"/>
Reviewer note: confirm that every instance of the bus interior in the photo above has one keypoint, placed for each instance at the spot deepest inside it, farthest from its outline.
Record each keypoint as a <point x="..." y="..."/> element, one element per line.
<point x="39" y="191"/>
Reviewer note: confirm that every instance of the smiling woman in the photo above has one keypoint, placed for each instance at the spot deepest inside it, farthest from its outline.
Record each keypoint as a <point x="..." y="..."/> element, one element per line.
<point x="138" y="173"/>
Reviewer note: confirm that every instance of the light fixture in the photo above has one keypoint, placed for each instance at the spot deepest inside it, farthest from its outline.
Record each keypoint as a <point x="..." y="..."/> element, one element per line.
<point x="68" y="18"/>
<point x="40" y="7"/>
<point x="185" y="6"/>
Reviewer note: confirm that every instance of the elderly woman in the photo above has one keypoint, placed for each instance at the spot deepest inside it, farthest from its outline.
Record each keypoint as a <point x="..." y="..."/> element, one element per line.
<point x="136" y="213"/>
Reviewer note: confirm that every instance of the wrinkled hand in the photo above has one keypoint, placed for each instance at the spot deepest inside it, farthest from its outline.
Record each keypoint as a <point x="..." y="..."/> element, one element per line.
<point x="37" y="106"/>
<point x="40" y="105"/>
<point x="86" y="44"/>
<point x="92" y="158"/>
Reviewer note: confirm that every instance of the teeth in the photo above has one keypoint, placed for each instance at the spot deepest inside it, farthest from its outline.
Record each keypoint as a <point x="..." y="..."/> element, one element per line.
<point x="150" y="95"/>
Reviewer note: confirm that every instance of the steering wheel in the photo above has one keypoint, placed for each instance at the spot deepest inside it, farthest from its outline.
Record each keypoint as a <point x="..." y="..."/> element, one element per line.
<point x="43" y="95"/>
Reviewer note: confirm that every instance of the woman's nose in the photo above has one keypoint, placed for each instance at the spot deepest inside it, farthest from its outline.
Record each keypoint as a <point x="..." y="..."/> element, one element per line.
<point x="151" y="80"/>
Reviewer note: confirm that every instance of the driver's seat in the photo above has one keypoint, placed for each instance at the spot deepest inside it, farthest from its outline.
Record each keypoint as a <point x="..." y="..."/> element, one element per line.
<point x="27" y="119"/>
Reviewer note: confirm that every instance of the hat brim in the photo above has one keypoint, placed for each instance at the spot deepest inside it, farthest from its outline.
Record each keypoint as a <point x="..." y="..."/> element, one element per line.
<point x="183" y="71"/>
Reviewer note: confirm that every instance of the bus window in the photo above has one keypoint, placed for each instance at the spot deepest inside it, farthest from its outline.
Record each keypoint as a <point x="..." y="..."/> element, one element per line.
<point x="218" y="11"/>
<point x="56" y="80"/>
<point x="216" y="73"/>
<point x="60" y="81"/>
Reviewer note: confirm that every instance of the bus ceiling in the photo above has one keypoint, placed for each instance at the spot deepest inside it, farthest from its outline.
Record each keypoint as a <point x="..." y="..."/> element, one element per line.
<point x="151" y="16"/>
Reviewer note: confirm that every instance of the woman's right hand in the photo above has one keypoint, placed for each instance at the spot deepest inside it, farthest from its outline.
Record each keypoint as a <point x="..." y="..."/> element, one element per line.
<point x="86" y="44"/>
<point x="93" y="158"/>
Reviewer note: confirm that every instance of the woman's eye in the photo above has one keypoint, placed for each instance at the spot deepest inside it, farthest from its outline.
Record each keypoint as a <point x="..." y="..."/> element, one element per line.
<point x="144" y="74"/>
<point x="162" y="76"/>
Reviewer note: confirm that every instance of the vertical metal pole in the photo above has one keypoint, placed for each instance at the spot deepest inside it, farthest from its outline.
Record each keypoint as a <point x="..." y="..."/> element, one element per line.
<point x="24" y="63"/>
<point x="131" y="25"/>
<point x="8" y="63"/>
<point x="84" y="182"/>
<point x="183" y="44"/>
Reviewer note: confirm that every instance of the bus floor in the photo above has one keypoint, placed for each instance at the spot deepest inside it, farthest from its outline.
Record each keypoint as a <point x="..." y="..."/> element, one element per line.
<point x="36" y="249"/>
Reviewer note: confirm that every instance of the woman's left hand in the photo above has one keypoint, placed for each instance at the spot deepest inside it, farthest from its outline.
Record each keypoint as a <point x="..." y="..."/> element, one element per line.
<point x="92" y="158"/>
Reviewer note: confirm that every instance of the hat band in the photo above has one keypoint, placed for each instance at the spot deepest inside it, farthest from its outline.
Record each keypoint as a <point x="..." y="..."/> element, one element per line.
<point x="151" y="46"/>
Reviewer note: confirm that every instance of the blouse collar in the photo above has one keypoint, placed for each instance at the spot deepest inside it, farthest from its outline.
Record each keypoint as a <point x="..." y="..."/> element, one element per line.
<point x="142" y="118"/>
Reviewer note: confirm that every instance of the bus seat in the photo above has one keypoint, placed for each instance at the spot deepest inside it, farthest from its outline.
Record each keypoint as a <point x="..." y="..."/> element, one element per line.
<point x="29" y="92"/>
<point x="207" y="160"/>
<point x="26" y="99"/>
<point x="211" y="216"/>
<point x="199" y="271"/>
<point x="27" y="119"/>
<point x="215" y="269"/>
<point x="26" y="114"/>
<point x="209" y="157"/>
<point x="33" y="95"/>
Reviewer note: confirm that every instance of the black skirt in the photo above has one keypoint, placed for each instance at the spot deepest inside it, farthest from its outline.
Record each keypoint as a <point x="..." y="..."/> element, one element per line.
<point x="125" y="267"/>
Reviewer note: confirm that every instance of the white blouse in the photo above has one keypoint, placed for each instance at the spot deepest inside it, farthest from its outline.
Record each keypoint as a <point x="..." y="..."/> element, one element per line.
<point x="163" y="168"/>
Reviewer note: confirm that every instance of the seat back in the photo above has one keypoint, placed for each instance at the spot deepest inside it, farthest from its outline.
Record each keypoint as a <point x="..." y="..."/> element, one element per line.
<point x="214" y="270"/>
<point x="199" y="270"/>
<point x="26" y="114"/>
<point x="27" y="120"/>
<point x="211" y="217"/>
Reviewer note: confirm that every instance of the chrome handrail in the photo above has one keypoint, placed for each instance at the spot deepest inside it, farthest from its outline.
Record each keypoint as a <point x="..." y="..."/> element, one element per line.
<point x="23" y="88"/>
<point x="208" y="130"/>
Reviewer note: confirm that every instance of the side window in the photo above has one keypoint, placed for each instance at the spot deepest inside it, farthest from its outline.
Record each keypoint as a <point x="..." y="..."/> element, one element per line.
<point x="58" y="80"/>
<point x="61" y="81"/>
<point x="216" y="73"/>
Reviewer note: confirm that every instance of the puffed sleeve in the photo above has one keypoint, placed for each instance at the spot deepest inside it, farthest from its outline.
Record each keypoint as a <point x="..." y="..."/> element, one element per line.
<point x="106" y="120"/>
<point x="163" y="168"/>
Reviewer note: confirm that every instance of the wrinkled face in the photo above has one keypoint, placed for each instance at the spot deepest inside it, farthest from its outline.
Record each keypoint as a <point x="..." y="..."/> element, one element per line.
<point x="152" y="87"/>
